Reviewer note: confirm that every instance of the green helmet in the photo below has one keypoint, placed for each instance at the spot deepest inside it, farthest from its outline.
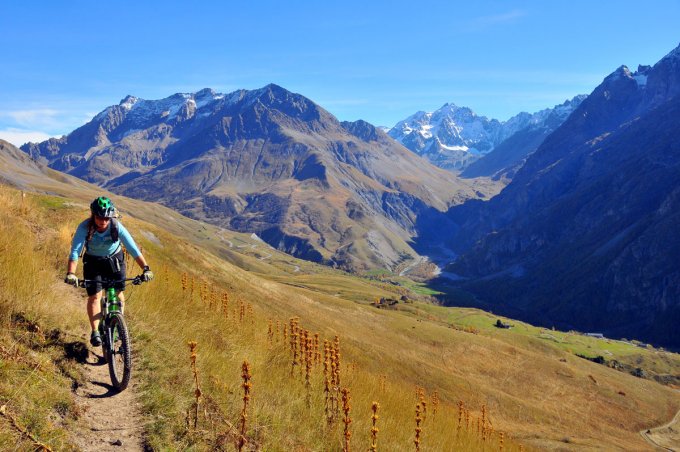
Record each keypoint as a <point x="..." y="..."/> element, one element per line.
<point x="103" y="207"/>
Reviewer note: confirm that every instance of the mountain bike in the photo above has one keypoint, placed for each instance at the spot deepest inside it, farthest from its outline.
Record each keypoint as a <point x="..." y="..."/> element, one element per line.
<point x="116" y="345"/>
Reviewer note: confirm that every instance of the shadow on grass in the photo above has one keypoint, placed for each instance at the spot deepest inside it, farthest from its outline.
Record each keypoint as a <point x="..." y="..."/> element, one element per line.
<point x="76" y="351"/>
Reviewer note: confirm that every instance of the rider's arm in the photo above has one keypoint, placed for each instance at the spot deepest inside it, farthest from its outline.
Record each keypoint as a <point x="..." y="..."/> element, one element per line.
<point x="76" y="246"/>
<point x="141" y="261"/>
<point x="131" y="246"/>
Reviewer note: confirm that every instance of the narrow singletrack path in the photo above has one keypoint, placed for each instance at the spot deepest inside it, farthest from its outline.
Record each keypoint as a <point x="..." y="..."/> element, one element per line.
<point x="664" y="437"/>
<point x="111" y="421"/>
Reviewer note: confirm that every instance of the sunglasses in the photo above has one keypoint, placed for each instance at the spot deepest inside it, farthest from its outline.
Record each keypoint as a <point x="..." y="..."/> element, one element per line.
<point x="102" y="218"/>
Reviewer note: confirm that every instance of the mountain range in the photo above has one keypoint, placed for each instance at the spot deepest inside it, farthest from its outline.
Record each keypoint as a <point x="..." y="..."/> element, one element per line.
<point x="586" y="234"/>
<point x="456" y="138"/>
<point x="266" y="161"/>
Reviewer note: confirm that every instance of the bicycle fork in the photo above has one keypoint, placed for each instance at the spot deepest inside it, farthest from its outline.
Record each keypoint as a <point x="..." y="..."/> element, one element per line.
<point x="109" y="304"/>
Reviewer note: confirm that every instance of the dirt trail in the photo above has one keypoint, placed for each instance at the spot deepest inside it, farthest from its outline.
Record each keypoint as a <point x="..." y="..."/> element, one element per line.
<point x="665" y="437"/>
<point x="111" y="421"/>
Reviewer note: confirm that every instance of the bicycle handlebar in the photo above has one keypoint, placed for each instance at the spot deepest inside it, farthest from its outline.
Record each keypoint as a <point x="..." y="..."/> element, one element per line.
<point x="137" y="280"/>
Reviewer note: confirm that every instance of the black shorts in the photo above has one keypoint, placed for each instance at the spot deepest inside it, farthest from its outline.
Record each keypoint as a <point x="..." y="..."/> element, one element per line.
<point x="98" y="268"/>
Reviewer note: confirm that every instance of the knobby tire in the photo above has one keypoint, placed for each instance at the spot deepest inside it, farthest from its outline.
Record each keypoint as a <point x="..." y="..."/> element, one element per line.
<point x="120" y="361"/>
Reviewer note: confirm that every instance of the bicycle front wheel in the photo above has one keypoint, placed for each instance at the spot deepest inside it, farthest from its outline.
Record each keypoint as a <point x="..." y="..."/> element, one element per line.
<point x="120" y="352"/>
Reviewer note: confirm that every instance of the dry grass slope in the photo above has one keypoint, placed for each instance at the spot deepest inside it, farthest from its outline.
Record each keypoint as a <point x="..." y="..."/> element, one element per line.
<point x="495" y="390"/>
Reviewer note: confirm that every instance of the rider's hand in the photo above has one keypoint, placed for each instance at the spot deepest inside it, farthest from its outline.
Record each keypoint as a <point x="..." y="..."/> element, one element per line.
<point x="71" y="279"/>
<point x="147" y="275"/>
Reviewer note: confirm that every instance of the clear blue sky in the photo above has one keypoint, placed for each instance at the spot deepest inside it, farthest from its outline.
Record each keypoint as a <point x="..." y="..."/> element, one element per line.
<point x="64" y="61"/>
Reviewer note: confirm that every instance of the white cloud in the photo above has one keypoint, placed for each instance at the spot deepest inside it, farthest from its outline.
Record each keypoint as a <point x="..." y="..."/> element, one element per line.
<point x="33" y="115"/>
<point x="32" y="118"/>
<point x="40" y="122"/>
<point x="19" y="137"/>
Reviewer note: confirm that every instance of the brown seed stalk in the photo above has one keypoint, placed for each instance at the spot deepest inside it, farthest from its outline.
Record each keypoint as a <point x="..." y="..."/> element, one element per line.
<point x="225" y="304"/>
<point x="374" y="428"/>
<point x="317" y="352"/>
<point x="336" y="347"/>
<point x="302" y="344"/>
<point x="270" y="334"/>
<point x="346" y="407"/>
<point x="435" y="403"/>
<point x="327" y="380"/>
<point x="294" y="349"/>
<point x="335" y="376"/>
<point x="460" y="414"/>
<point x="194" y="369"/>
<point x="245" y="374"/>
<point x="419" y="430"/>
<point x="483" y="422"/>
<point x="309" y="357"/>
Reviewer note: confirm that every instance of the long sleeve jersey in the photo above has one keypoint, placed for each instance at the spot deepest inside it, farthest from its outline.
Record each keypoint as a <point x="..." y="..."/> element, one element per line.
<point x="101" y="243"/>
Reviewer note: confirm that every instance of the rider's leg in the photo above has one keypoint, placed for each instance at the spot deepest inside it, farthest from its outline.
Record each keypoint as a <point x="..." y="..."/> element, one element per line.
<point x="94" y="310"/>
<point x="121" y="297"/>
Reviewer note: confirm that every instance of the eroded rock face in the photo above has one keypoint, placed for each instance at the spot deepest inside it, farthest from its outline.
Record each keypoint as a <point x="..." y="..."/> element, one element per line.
<point x="266" y="161"/>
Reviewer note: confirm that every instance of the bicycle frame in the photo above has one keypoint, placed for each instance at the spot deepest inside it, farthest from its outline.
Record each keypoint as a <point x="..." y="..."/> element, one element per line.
<point x="109" y="305"/>
<point x="114" y="333"/>
<point x="109" y="301"/>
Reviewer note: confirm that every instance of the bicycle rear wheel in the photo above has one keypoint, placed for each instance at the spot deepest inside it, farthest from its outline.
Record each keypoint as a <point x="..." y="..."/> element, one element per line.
<point x="120" y="355"/>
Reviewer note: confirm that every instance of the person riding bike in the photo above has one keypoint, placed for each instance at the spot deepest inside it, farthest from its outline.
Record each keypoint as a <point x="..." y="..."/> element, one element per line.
<point x="101" y="235"/>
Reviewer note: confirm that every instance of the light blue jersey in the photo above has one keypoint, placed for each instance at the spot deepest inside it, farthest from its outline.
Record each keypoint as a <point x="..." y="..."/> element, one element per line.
<point x="101" y="243"/>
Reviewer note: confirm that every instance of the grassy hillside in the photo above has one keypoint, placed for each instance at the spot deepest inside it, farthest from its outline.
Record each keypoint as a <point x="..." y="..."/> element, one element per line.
<point x="525" y="382"/>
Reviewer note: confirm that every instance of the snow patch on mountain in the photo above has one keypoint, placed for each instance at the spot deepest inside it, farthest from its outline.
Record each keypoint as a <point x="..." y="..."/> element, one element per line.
<point x="128" y="102"/>
<point x="454" y="148"/>
<point x="452" y="137"/>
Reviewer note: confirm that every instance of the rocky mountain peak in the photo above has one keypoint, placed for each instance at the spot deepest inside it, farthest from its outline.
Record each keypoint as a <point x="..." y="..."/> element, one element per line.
<point x="663" y="79"/>
<point x="128" y="102"/>
<point x="273" y="94"/>
<point x="291" y="104"/>
<point x="454" y="137"/>
<point x="205" y="92"/>
<point x="364" y="130"/>
<point x="453" y="110"/>
<point x="621" y="72"/>
<point x="672" y="55"/>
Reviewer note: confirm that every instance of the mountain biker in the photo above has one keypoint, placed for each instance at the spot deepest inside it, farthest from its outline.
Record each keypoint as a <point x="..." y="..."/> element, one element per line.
<point x="101" y="235"/>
